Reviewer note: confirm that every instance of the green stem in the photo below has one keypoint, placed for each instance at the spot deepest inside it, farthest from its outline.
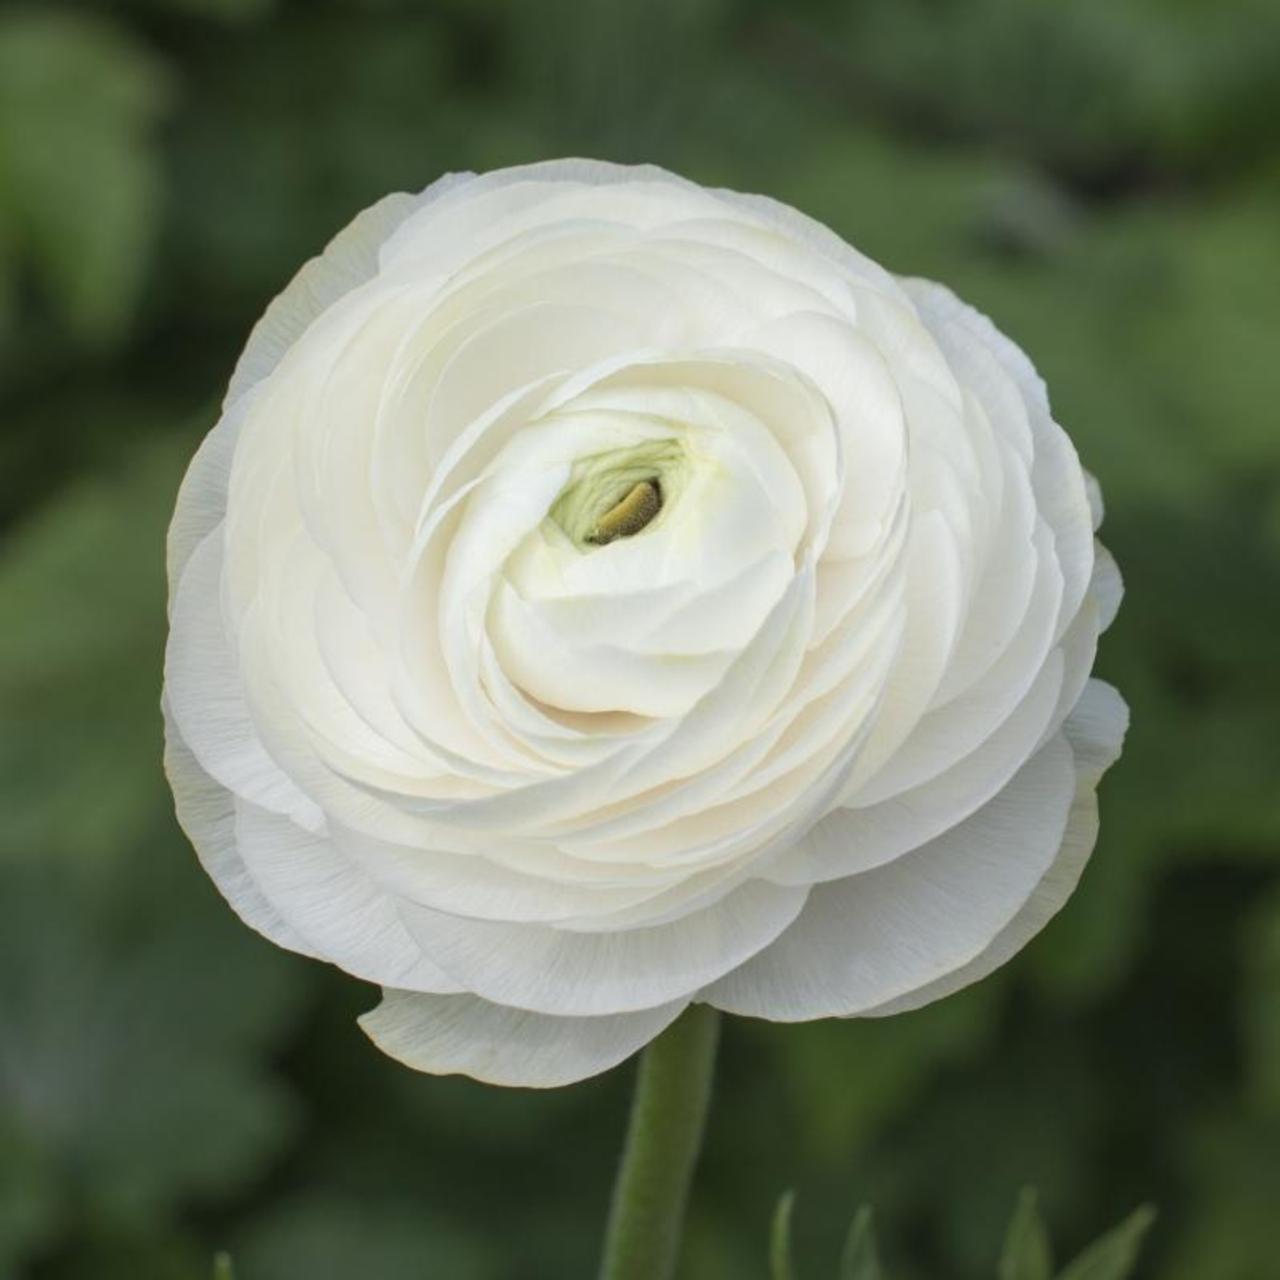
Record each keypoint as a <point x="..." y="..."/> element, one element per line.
<point x="668" y="1114"/>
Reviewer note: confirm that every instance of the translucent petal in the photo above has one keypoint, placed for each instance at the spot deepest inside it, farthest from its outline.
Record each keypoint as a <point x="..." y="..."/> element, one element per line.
<point x="206" y="813"/>
<point x="464" y="1035"/>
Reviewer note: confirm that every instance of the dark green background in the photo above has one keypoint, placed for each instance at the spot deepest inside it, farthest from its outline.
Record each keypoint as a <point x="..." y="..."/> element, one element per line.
<point x="1101" y="176"/>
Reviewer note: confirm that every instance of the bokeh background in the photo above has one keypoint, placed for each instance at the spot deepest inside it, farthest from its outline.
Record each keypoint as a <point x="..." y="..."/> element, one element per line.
<point x="1101" y="176"/>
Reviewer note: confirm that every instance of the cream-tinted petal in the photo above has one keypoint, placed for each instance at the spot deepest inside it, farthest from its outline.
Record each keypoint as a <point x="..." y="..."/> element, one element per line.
<point x="465" y="1035"/>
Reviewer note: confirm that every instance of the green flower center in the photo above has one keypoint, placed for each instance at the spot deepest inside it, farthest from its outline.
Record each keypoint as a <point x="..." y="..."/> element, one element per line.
<point x="629" y="516"/>
<point x="620" y="492"/>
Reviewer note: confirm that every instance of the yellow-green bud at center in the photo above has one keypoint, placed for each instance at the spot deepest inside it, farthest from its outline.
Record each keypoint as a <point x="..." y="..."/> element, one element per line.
<point x="621" y="492"/>
<point x="630" y="515"/>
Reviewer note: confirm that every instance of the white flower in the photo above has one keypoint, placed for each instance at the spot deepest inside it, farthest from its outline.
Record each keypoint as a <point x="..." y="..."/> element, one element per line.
<point x="602" y="593"/>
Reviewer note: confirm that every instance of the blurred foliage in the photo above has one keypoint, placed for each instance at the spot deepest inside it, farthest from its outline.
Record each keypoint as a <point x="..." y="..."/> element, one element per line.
<point x="1026" y="1254"/>
<point x="1103" y="177"/>
<point x="79" y="179"/>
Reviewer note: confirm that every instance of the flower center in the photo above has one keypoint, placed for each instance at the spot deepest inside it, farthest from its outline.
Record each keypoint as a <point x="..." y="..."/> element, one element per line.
<point x="630" y="514"/>
<point x="619" y="493"/>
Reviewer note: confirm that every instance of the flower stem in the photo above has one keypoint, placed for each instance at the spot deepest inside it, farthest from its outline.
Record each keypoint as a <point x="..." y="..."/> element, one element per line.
<point x="668" y="1114"/>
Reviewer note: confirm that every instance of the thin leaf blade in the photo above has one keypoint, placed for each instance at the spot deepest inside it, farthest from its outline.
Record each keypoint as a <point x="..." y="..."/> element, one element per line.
<point x="1114" y="1255"/>
<point x="1026" y="1254"/>
<point x="780" y="1264"/>
<point x="860" y="1261"/>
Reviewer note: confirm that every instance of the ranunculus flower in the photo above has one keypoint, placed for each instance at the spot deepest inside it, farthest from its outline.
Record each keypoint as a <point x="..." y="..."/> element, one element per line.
<point x="601" y="593"/>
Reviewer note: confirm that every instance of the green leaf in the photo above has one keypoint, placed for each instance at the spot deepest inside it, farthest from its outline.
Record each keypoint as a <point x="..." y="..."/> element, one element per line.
<point x="780" y="1267"/>
<point x="1113" y="1257"/>
<point x="1026" y="1254"/>
<point x="860" y="1260"/>
<point x="222" y="1267"/>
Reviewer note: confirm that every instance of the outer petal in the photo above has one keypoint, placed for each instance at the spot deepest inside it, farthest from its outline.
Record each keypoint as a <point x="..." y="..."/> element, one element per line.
<point x="202" y="497"/>
<point x="297" y="875"/>
<point x="1062" y="491"/>
<point x="206" y="813"/>
<point x="1095" y="730"/>
<point x="849" y="841"/>
<point x="448" y="1035"/>
<point x="348" y="260"/>
<point x="1053" y="890"/>
<point x="205" y="695"/>
<point x="1107" y="585"/>
<point x="878" y="936"/>
<point x="333" y="903"/>
<point x="584" y="974"/>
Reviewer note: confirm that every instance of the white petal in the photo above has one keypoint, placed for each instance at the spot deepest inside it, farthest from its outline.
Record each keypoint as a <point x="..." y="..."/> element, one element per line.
<point x="812" y="234"/>
<point x="202" y="496"/>
<point x="868" y="409"/>
<point x="935" y="601"/>
<point x="464" y="1035"/>
<point x="1096" y="731"/>
<point x="1096" y="504"/>
<point x="554" y="971"/>
<point x="206" y="813"/>
<point x="552" y="665"/>
<point x="939" y="305"/>
<point x="1046" y="900"/>
<point x="1061" y="491"/>
<point x="333" y="903"/>
<point x="1096" y="728"/>
<point x="348" y="260"/>
<point x="948" y="733"/>
<point x="1107" y="586"/>
<point x="1007" y="577"/>
<point x="848" y="840"/>
<point x="878" y="936"/>
<point x="206" y="696"/>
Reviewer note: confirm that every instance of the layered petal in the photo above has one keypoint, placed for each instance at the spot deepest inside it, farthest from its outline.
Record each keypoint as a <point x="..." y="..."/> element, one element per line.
<point x="871" y="938"/>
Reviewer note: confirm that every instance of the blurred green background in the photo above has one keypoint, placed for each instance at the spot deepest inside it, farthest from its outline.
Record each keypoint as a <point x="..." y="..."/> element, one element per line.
<point x="1102" y="177"/>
